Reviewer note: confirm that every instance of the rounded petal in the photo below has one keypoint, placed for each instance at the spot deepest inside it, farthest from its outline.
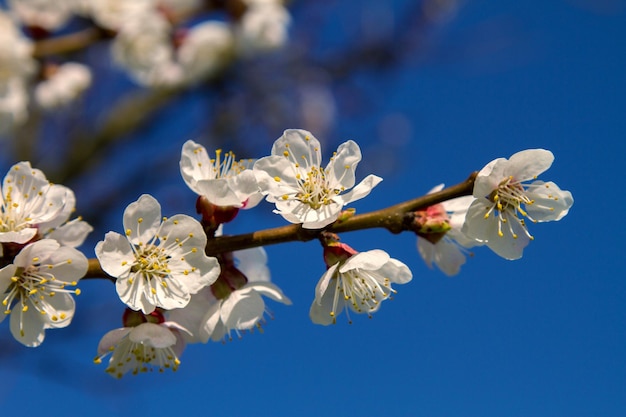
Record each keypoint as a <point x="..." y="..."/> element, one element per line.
<point x="6" y="274"/>
<point x="550" y="203"/>
<point x="111" y="339"/>
<point x="253" y="264"/>
<point x="396" y="271"/>
<point x="269" y="290"/>
<point x="60" y="310"/>
<point x="142" y="219"/>
<point x="27" y="327"/>
<point x="322" y="284"/>
<point x="301" y="146"/>
<point x="362" y="189"/>
<point x="153" y="335"/>
<point x="115" y="254"/>
<point x="195" y="165"/>
<point x="341" y="168"/>
<point x="72" y="233"/>
<point x="371" y="261"/>
<point x="528" y="164"/>
<point x="242" y="310"/>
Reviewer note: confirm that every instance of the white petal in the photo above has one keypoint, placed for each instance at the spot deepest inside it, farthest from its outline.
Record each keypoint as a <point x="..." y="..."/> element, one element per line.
<point x="72" y="233"/>
<point x="111" y="339"/>
<point x="30" y="322"/>
<point x="39" y="249"/>
<point x="449" y="257"/>
<point x="362" y="189"/>
<point x="269" y="290"/>
<point x="528" y="164"/>
<point x="396" y="271"/>
<point x="342" y="166"/>
<point x="212" y="326"/>
<point x="301" y="145"/>
<point x="195" y="165"/>
<point x="322" y="284"/>
<point x="242" y="310"/>
<point x="115" y="254"/>
<point x="153" y="335"/>
<point x="369" y="261"/>
<point x="6" y="274"/>
<point x="253" y="264"/>
<point x="142" y="218"/>
<point x="550" y="202"/>
<point x="60" y="310"/>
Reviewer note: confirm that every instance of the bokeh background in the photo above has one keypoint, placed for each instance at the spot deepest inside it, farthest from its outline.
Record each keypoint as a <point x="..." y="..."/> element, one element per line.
<point x="432" y="90"/>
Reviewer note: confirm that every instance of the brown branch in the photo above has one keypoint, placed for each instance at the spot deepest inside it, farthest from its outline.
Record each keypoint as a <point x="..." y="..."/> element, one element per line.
<point x="390" y="218"/>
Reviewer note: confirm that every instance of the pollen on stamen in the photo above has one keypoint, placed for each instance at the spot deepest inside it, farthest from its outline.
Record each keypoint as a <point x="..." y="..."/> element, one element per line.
<point x="277" y="179"/>
<point x="140" y="220"/>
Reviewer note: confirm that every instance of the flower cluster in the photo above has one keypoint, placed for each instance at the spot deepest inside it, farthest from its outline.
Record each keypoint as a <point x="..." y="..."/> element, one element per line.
<point x="151" y="40"/>
<point x="40" y="264"/>
<point x="175" y="293"/>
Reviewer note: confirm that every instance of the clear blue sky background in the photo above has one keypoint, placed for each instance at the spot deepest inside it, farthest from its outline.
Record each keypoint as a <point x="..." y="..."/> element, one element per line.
<point x="543" y="336"/>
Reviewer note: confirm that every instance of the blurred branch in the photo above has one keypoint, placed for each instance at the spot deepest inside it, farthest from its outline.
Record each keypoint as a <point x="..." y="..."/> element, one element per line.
<point x="392" y="218"/>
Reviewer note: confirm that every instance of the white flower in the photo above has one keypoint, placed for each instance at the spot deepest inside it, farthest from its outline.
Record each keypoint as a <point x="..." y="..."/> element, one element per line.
<point x="303" y="191"/>
<point x="138" y="349"/>
<point x="157" y="264"/>
<point x="34" y="289"/>
<point x="113" y="14"/>
<point x="501" y="189"/>
<point x="67" y="83"/>
<point x="143" y="46"/>
<point x="362" y="283"/>
<point x="445" y="248"/>
<point x="46" y="14"/>
<point x="205" y="49"/>
<point x="29" y="205"/>
<point x="16" y="67"/>
<point x="223" y="180"/>
<point x="262" y="28"/>
<point x="240" y="306"/>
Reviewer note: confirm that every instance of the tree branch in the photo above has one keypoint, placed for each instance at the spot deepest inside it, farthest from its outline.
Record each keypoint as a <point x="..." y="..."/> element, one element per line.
<point x="391" y="218"/>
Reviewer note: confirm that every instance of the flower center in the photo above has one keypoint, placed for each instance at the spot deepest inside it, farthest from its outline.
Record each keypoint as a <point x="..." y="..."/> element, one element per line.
<point x="314" y="188"/>
<point x="226" y="166"/>
<point x="363" y="290"/>
<point x="12" y="215"/>
<point x="507" y="202"/>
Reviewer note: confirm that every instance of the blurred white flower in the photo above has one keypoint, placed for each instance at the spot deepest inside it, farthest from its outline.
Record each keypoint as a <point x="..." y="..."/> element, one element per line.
<point x="34" y="289"/>
<point x="143" y="46"/>
<point x="46" y="14"/>
<point x="440" y="240"/>
<point x="501" y="189"/>
<point x="360" y="281"/>
<point x="157" y="263"/>
<point x="223" y="180"/>
<point x="139" y="348"/>
<point x="16" y="67"/>
<point x="303" y="191"/>
<point x="263" y="27"/>
<point x="205" y="49"/>
<point x="113" y="14"/>
<point x="67" y="83"/>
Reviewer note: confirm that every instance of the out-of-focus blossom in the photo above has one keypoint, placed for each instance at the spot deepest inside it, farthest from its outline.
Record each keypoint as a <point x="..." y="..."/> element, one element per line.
<point x="440" y="240"/>
<point x="46" y="14"/>
<point x="65" y="84"/>
<point x="501" y="189"/>
<point x="205" y="49"/>
<point x="34" y="289"/>
<point x="113" y="14"/>
<point x="303" y="191"/>
<point x="157" y="263"/>
<point x="360" y="281"/>
<point x="223" y="180"/>
<point x="263" y="27"/>
<point x="143" y="47"/>
<point x="16" y="67"/>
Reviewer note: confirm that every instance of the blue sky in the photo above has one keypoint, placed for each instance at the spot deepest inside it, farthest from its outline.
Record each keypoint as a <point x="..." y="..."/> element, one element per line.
<point x="542" y="336"/>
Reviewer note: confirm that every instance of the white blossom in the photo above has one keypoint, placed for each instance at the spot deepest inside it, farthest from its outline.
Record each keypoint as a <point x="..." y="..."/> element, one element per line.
<point x="446" y="248"/>
<point x="505" y="201"/>
<point x="157" y="263"/>
<point x="67" y="83"/>
<point x="30" y="205"/>
<point x="361" y="283"/>
<point x="263" y="27"/>
<point x="46" y="14"/>
<point x="240" y="307"/>
<point x="34" y="289"/>
<point x="140" y="348"/>
<point x="223" y="180"/>
<point x="303" y="191"/>
<point x="113" y="14"/>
